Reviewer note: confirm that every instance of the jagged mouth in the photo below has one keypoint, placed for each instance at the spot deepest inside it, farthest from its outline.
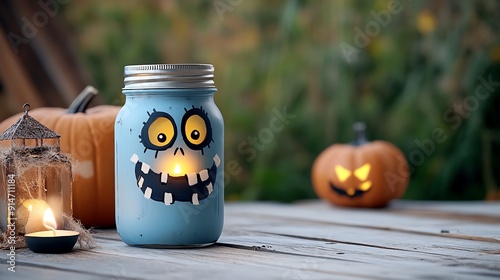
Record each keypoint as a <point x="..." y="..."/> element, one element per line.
<point x="191" y="187"/>
<point x="351" y="193"/>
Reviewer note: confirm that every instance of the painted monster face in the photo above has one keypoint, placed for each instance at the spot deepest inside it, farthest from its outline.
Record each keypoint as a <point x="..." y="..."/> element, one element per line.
<point x="352" y="187"/>
<point x="177" y="147"/>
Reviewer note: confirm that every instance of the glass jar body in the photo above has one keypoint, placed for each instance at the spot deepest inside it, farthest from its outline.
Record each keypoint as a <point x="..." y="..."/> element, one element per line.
<point x="169" y="168"/>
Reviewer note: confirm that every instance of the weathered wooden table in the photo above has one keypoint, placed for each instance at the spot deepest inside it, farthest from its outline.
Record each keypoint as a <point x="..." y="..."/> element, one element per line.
<point x="309" y="240"/>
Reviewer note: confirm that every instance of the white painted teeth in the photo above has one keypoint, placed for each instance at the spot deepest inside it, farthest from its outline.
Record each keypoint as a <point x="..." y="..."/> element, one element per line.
<point x="134" y="158"/>
<point x="148" y="192"/>
<point x="192" y="179"/>
<point x="167" y="198"/>
<point x="195" y="199"/>
<point x="216" y="160"/>
<point x="210" y="188"/>
<point x="204" y="174"/>
<point x="164" y="177"/>
<point x="145" y="168"/>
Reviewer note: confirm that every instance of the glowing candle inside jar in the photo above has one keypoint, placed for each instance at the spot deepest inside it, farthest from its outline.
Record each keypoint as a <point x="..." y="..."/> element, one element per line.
<point x="177" y="169"/>
<point x="49" y="221"/>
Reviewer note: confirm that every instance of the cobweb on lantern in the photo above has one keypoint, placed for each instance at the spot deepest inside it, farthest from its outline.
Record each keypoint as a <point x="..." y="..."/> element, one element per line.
<point x="36" y="175"/>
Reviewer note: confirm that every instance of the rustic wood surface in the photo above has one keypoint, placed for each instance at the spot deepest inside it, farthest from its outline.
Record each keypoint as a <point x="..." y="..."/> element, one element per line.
<point x="309" y="240"/>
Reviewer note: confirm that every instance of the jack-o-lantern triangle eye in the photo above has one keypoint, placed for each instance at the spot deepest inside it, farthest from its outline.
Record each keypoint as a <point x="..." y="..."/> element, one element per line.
<point x="342" y="173"/>
<point x="362" y="172"/>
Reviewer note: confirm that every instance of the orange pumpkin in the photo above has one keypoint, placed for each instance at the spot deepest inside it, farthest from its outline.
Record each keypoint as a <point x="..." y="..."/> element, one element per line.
<point x="362" y="174"/>
<point x="88" y="136"/>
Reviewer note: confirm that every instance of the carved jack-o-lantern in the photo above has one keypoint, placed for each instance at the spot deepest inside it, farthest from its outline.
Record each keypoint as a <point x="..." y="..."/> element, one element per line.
<point x="357" y="189"/>
<point x="365" y="174"/>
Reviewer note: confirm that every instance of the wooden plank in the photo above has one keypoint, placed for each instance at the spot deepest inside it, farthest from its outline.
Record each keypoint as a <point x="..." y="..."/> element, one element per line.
<point x="115" y="259"/>
<point x="42" y="273"/>
<point x="477" y="212"/>
<point x="478" y="208"/>
<point x="381" y="237"/>
<point x="376" y="219"/>
<point x="40" y="67"/>
<point x="369" y="245"/>
<point x="306" y="241"/>
<point x="259" y="259"/>
<point x="14" y="77"/>
<point x="373" y="260"/>
<point x="357" y="244"/>
<point x="360" y="240"/>
<point x="57" y="61"/>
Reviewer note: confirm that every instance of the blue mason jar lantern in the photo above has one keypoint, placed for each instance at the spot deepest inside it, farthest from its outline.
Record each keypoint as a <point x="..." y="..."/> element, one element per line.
<point x="169" y="140"/>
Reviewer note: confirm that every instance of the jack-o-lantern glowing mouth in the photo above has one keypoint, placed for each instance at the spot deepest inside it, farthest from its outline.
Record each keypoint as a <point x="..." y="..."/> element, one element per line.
<point x="190" y="187"/>
<point x="352" y="192"/>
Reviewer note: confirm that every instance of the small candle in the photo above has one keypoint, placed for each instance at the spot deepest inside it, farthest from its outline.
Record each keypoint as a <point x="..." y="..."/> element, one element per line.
<point x="51" y="240"/>
<point x="177" y="169"/>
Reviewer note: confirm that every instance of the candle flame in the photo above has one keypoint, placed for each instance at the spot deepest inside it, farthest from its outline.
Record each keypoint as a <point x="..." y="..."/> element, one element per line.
<point x="30" y="207"/>
<point x="49" y="221"/>
<point x="177" y="169"/>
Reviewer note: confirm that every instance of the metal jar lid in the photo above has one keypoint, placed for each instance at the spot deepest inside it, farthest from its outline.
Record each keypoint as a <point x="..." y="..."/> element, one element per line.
<point x="169" y="76"/>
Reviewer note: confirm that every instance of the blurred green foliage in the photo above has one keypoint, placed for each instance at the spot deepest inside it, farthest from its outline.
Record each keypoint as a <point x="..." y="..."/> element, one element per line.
<point x="412" y="76"/>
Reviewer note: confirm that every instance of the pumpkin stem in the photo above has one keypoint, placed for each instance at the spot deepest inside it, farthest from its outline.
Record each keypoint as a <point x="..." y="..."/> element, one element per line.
<point x="359" y="134"/>
<point x="82" y="101"/>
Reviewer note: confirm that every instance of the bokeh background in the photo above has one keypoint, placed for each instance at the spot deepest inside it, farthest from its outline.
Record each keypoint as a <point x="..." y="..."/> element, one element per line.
<point x="405" y="68"/>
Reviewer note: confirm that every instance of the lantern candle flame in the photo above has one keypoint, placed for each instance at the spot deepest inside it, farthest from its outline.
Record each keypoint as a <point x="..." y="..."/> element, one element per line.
<point x="49" y="221"/>
<point x="51" y="240"/>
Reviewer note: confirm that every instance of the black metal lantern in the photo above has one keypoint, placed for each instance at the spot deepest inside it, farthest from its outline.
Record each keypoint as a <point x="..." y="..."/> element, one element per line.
<point x="35" y="176"/>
